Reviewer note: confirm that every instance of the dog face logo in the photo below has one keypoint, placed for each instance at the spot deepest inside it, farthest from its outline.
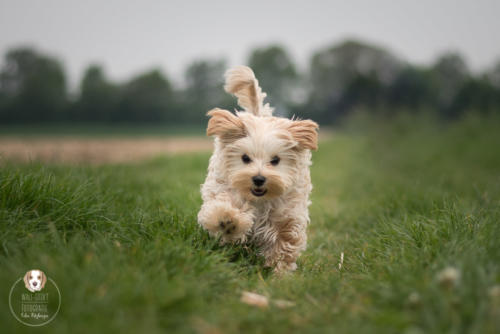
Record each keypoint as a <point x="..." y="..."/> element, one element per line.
<point x="34" y="280"/>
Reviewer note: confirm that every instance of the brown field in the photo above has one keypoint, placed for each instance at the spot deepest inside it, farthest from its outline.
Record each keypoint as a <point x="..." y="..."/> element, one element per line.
<point x="97" y="151"/>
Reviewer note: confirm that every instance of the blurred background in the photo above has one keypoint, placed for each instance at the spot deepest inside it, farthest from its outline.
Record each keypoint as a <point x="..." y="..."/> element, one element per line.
<point x="157" y="66"/>
<point x="100" y="101"/>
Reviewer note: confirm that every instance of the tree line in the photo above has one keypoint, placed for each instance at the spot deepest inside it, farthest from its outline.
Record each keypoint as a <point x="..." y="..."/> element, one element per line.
<point x="339" y="80"/>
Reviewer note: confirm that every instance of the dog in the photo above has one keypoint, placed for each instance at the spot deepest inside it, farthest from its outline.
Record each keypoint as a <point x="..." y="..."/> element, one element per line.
<point x="258" y="182"/>
<point x="35" y="280"/>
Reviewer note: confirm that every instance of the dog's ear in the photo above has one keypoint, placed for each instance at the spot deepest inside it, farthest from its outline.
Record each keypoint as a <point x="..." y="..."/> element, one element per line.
<point x="305" y="133"/>
<point x="44" y="280"/>
<point x="26" y="279"/>
<point x="225" y="125"/>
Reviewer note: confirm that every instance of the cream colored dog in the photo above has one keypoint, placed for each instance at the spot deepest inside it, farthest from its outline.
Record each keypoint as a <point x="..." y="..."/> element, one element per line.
<point x="35" y="280"/>
<point x="258" y="183"/>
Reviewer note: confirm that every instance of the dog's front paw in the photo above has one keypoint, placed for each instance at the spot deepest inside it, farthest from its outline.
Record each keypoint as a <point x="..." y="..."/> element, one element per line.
<point x="227" y="227"/>
<point x="233" y="226"/>
<point x="223" y="219"/>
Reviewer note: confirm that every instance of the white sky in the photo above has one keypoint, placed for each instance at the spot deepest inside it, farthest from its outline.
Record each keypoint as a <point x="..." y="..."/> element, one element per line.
<point x="128" y="37"/>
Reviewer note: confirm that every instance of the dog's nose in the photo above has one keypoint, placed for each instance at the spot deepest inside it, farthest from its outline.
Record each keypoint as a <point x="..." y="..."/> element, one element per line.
<point x="35" y="283"/>
<point x="258" y="180"/>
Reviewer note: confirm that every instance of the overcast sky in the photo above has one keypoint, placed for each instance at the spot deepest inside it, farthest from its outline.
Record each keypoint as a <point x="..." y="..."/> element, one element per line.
<point x="128" y="37"/>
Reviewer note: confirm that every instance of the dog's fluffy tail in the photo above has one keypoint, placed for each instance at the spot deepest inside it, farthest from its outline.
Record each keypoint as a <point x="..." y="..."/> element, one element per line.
<point x="241" y="82"/>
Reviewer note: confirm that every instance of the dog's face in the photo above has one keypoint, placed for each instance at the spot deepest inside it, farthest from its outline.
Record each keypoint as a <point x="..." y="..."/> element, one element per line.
<point x="34" y="280"/>
<point x="261" y="153"/>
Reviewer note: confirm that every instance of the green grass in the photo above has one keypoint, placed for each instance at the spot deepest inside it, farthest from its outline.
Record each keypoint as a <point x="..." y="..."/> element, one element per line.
<point x="403" y="200"/>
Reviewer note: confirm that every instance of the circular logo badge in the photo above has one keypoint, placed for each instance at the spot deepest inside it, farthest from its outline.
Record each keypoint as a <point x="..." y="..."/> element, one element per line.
<point x="34" y="299"/>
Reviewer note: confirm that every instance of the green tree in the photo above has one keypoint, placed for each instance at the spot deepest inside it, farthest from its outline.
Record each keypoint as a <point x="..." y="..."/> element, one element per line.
<point x="334" y="72"/>
<point x="493" y="75"/>
<point x="98" y="97"/>
<point x="277" y="75"/>
<point x="146" y="98"/>
<point x="412" y="89"/>
<point x="33" y="87"/>
<point x="204" y="81"/>
<point x="450" y="73"/>
<point x="476" y="94"/>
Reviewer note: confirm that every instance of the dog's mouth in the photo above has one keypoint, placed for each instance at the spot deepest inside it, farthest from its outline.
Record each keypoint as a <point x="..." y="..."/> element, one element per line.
<point x="258" y="192"/>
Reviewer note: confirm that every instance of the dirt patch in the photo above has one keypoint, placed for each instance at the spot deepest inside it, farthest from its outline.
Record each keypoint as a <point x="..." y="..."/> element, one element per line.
<point x="97" y="151"/>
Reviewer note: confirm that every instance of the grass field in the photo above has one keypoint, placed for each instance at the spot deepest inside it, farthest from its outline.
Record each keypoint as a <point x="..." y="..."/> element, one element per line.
<point x="402" y="200"/>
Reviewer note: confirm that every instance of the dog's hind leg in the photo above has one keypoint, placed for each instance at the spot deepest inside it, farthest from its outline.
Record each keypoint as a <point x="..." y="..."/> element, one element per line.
<point x="290" y="241"/>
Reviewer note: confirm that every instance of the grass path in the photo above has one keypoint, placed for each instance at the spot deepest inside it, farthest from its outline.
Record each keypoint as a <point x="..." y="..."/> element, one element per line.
<point x="401" y="201"/>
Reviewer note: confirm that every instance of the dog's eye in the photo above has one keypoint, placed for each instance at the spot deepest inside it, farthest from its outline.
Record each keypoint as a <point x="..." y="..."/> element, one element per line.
<point x="246" y="159"/>
<point x="275" y="160"/>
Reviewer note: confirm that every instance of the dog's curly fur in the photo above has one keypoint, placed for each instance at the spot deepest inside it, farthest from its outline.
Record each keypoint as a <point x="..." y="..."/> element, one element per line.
<point x="236" y="206"/>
